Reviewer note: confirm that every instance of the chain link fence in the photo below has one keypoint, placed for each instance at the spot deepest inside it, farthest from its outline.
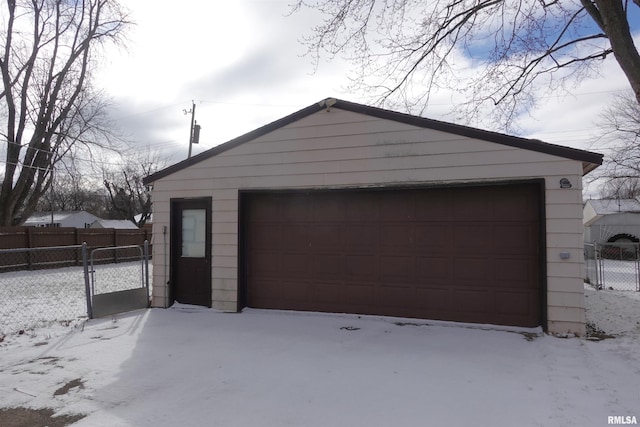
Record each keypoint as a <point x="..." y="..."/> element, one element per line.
<point x="613" y="266"/>
<point x="42" y="286"/>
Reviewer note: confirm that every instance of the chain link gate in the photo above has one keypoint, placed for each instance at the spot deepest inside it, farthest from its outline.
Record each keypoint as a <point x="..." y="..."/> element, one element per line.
<point x="613" y="266"/>
<point x="113" y="288"/>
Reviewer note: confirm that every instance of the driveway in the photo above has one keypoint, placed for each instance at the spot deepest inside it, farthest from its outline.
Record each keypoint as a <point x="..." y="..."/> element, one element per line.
<point x="196" y="367"/>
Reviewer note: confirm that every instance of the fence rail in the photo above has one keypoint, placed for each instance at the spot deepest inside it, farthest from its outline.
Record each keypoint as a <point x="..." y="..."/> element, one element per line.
<point x="613" y="266"/>
<point x="32" y="240"/>
<point x="35" y="237"/>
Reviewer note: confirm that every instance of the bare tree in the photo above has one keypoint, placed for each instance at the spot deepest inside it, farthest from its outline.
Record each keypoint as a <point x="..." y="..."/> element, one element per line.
<point x="627" y="188"/>
<point x="48" y="106"/>
<point x="405" y="49"/>
<point x="70" y="190"/>
<point x="128" y="197"/>
<point x="620" y="124"/>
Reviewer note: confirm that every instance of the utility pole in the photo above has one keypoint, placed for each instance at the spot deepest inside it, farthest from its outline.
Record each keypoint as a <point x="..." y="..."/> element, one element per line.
<point x="193" y="117"/>
<point x="194" y="130"/>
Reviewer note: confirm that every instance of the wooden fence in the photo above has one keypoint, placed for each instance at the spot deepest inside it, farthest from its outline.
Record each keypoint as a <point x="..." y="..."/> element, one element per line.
<point x="41" y="237"/>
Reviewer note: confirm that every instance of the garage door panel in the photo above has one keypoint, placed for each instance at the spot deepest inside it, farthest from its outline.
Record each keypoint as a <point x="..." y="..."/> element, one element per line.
<point x="471" y="206"/>
<point x="265" y="264"/>
<point x="514" y="204"/>
<point x="472" y="238"/>
<point x="297" y="292"/>
<point x="295" y="208"/>
<point x="265" y="207"/>
<point x="469" y="271"/>
<point x="326" y="237"/>
<point x="266" y="293"/>
<point x="398" y="295"/>
<point x="361" y="208"/>
<point x="435" y="298"/>
<point x="513" y="303"/>
<point x="293" y="237"/>
<point x="329" y="266"/>
<point x="266" y="236"/>
<point x="462" y="254"/>
<point x="514" y="238"/>
<point x="395" y="237"/>
<point x="395" y="206"/>
<point x="433" y="238"/>
<point x="430" y="269"/>
<point x="361" y="238"/>
<point x="434" y="207"/>
<point x="510" y="270"/>
<point x="297" y="265"/>
<point x="396" y="267"/>
<point x="472" y="301"/>
<point x="361" y="295"/>
<point x="328" y="293"/>
<point x="327" y="207"/>
<point x="362" y="267"/>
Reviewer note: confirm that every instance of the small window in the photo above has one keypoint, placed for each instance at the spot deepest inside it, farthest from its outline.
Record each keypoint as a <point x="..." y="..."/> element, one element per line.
<point x="194" y="233"/>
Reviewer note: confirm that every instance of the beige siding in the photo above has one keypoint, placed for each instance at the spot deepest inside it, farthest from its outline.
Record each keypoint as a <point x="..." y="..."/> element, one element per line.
<point x="342" y="149"/>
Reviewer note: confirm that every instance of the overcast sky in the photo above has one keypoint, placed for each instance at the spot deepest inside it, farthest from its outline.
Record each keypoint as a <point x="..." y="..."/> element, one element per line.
<point x="242" y="64"/>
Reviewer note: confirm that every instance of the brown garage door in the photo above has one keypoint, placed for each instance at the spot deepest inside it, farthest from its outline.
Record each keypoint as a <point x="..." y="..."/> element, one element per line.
<point x="468" y="254"/>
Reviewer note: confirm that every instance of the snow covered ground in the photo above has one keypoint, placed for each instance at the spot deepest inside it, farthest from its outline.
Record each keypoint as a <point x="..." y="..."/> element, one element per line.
<point x="189" y="366"/>
<point x="616" y="275"/>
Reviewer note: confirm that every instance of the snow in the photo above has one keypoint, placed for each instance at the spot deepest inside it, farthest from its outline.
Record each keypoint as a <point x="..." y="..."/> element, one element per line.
<point x="193" y="366"/>
<point x="614" y="312"/>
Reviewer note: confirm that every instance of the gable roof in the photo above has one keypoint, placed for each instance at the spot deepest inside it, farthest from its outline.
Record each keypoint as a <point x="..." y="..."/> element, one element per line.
<point x="614" y="206"/>
<point x="589" y="159"/>
<point x="57" y="216"/>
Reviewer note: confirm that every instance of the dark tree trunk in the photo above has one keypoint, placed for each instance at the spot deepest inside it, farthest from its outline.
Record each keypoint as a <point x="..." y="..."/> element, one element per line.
<point x="611" y="17"/>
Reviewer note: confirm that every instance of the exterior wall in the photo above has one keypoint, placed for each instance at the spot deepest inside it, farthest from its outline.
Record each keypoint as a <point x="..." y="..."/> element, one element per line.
<point x="610" y="225"/>
<point x="340" y="149"/>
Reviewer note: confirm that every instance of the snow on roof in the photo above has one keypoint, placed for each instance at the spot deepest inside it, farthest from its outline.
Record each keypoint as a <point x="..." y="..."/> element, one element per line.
<point x="113" y="223"/>
<point x="46" y="216"/>
<point x="613" y="206"/>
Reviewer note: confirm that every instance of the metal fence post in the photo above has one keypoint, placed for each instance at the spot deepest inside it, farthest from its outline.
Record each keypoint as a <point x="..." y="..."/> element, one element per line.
<point x="598" y="260"/>
<point x="146" y="264"/>
<point x="87" y="287"/>
<point x="636" y="247"/>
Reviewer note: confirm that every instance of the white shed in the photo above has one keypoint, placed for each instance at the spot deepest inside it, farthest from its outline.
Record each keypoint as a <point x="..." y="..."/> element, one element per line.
<point x="342" y="207"/>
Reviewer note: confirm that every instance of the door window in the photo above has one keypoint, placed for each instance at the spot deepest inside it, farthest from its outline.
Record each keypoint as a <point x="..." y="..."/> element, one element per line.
<point x="194" y="233"/>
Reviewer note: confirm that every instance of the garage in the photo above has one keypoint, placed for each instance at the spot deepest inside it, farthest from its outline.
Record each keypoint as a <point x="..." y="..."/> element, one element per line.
<point x="342" y="207"/>
<point x="468" y="254"/>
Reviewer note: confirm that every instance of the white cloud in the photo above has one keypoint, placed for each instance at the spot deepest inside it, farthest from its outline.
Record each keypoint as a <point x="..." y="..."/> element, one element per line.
<point x="242" y="63"/>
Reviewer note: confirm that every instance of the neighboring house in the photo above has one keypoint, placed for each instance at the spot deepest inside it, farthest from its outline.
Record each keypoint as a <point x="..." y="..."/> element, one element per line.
<point x="120" y="224"/>
<point x="611" y="220"/>
<point x="76" y="219"/>
<point x="342" y="207"/>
